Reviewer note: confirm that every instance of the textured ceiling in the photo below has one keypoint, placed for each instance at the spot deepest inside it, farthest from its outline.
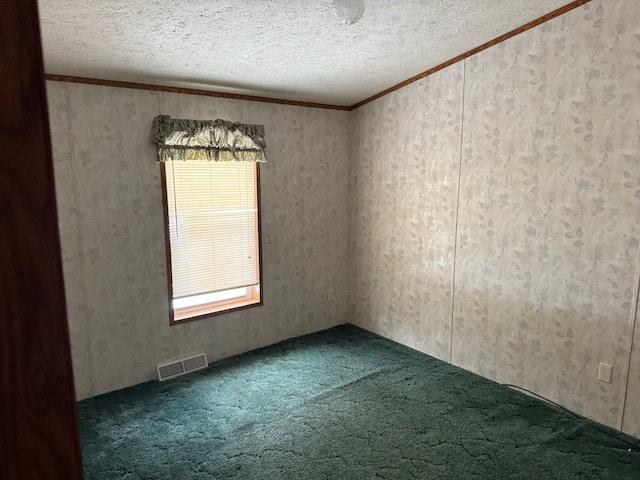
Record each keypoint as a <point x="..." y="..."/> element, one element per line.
<point x="293" y="50"/>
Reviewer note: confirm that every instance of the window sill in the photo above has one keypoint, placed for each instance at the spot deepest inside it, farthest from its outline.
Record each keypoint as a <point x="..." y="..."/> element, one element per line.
<point x="197" y="313"/>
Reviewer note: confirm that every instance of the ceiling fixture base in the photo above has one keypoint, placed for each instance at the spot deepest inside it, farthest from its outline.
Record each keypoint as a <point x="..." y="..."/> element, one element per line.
<point x="348" y="12"/>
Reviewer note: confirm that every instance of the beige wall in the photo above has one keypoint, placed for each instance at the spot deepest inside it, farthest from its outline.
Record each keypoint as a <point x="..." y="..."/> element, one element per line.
<point x="495" y="212"/>
<point x="111" y="222"/>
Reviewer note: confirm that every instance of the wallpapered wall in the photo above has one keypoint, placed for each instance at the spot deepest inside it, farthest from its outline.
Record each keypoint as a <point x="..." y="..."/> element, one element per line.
<point x="495" y="212"/>
<point x="111" y="222"/>
<point x="493" y="218"/>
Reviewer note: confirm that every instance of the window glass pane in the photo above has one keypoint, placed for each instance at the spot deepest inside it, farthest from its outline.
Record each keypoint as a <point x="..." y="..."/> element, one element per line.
<point x="213" y="226"/>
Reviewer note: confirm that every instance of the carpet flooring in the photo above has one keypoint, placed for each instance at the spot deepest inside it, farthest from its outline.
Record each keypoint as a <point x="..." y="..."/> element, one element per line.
<point x="341" y="404"/>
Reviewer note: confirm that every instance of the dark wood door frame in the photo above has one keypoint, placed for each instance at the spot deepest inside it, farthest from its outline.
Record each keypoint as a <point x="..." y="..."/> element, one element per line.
<point x="38" y="419"/>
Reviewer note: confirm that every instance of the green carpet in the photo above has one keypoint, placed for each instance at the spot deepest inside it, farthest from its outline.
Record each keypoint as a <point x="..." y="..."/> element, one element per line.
<point x="341" y="404"/>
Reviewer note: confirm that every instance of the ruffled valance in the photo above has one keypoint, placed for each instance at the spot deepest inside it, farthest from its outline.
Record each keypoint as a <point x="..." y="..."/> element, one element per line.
<point x="208" y="140"/>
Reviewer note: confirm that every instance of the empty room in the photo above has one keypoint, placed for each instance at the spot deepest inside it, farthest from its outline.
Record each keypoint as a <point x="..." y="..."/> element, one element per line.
<point x="341" y="239"/>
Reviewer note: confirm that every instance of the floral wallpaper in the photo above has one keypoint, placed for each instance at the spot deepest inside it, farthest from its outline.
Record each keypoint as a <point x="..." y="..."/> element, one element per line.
<point x="548" y="232"/>
<point x="405" y="154"/>
<point x="528" y="273"/>
<point x="110" y="213"/>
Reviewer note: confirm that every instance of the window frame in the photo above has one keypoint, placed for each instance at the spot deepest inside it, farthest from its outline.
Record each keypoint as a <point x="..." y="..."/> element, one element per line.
<point x="233" y="304"/>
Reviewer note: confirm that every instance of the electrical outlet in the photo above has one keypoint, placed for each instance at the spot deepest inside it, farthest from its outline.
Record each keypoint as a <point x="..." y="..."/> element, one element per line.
<point x="604" y="372"/>
<point x="330" y="295"/>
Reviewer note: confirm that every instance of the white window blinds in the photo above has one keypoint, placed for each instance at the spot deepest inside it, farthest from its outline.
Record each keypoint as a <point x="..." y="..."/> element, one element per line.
<point x="213" y="226"/>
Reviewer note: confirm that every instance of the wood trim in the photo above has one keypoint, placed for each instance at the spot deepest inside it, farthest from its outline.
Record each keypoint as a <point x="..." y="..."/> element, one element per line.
<point x="491" y="43"/>
<point x="259" y="197"/>
<point x="167" y="240"/>
<point x="188" y="91"/>
<point x="38" y="419"/>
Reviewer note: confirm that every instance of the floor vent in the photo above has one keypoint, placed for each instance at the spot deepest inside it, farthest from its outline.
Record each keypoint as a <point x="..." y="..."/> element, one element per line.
<point x="176" y="368"/>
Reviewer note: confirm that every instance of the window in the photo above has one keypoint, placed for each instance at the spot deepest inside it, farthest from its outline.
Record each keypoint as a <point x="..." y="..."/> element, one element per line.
<point x="213" y="236"/>
<point x="211" y="195"/>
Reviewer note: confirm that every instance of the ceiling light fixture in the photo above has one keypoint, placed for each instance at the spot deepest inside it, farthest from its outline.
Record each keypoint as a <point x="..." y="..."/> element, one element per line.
<point x="348" y="11"/>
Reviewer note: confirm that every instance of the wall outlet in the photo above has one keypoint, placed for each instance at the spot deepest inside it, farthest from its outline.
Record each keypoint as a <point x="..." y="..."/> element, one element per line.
<point x="604" y="372"/>
<point x="330" y="295"/>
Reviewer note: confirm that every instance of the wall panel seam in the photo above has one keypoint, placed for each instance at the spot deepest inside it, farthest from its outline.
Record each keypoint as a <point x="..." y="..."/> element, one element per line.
<point x="347" y="316"/>
<point x="455" y="236"/>
<point x="630" y="332"/>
